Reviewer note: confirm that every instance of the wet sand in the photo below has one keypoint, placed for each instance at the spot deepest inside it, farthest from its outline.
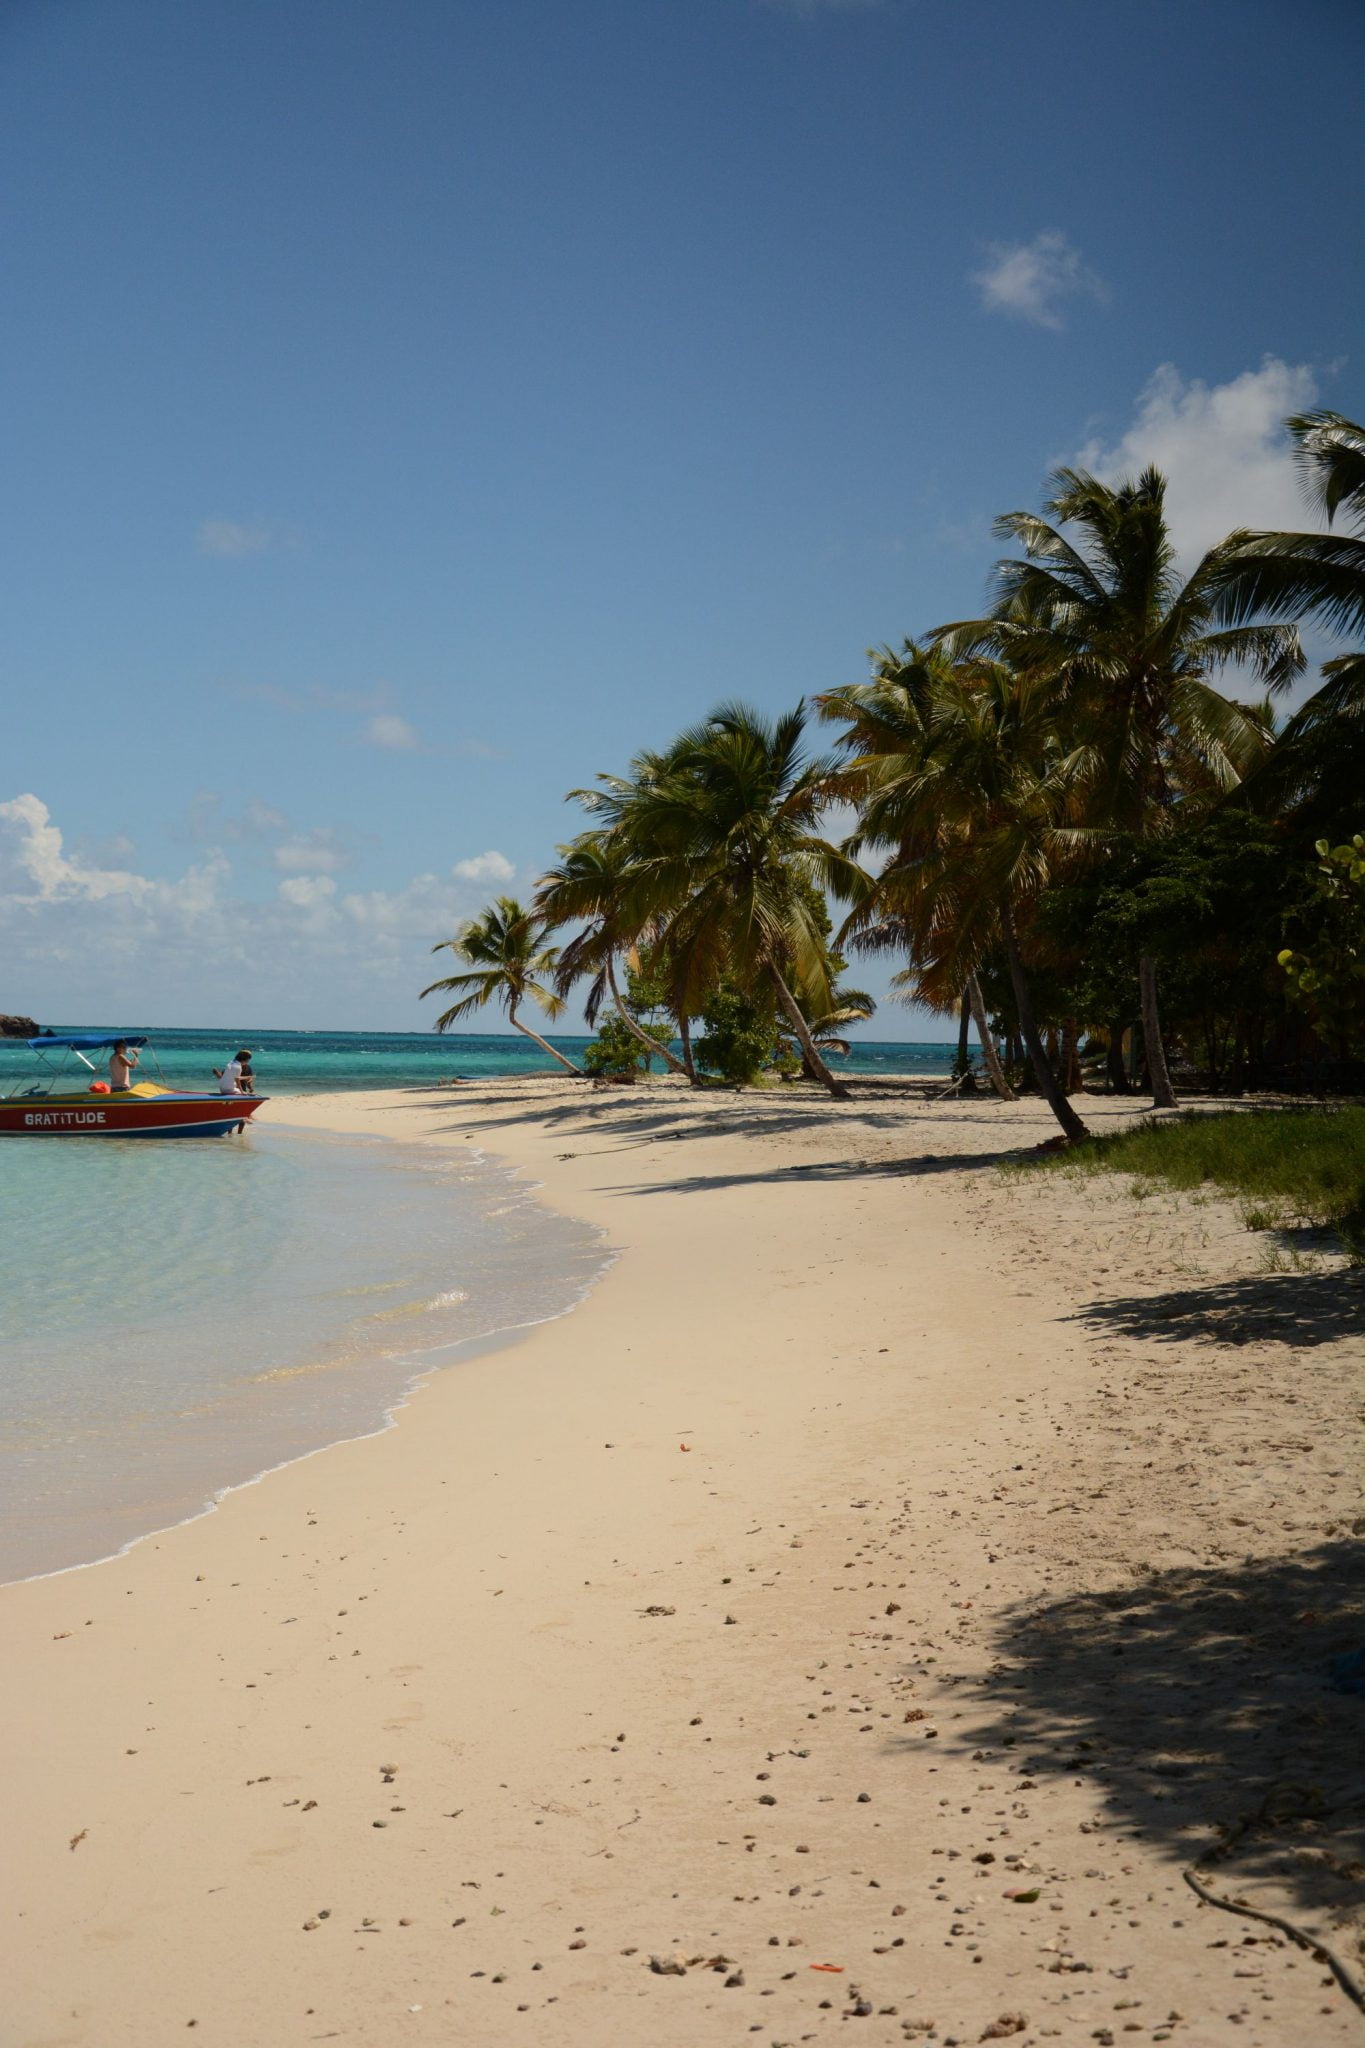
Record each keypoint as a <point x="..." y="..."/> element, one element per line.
<point x="868" y="1605"/>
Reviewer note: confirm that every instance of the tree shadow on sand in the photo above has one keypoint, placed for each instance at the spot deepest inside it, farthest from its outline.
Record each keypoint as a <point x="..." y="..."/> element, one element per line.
<point x="1285" y="1308"/>
<point x="1201" y="1702"/>
<point x="818" y="1170"/>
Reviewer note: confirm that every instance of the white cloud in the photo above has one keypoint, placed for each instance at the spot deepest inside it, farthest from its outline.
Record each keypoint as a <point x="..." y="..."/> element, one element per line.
<point x="319" y="852"/>
<point x="484" y="867"/>
<point x="308" y="892"/>
<point x="33" y="857"/>
<point x="86" y="942"/>
<point x="227" y="538"/>
<point x="1221" y="447"/>
<point x="1033" y="280"/>
<point x="392" y="732"/>
<point x="207" y="823"/>
<point x="38" y="850"/>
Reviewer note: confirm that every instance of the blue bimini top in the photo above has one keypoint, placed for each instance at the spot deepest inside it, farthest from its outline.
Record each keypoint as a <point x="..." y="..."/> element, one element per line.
<point x="81" y="1041"/>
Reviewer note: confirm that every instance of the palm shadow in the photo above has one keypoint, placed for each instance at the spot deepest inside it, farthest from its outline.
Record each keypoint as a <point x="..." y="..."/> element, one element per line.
<point x="1301" y="1309"/>
<point x="1202" y="1703"/>
<point x="909" y="1168"/>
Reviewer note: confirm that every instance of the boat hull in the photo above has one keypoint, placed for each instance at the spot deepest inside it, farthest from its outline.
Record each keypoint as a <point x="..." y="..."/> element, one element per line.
<point x="130" y="1116"/>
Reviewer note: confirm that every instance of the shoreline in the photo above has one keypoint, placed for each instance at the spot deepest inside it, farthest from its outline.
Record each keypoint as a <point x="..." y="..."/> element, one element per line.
<point x="859" y="1339"/>
<point x="336" y="1354"/>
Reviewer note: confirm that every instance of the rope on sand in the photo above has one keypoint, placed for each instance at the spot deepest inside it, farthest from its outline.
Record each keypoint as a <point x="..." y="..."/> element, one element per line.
<point x="1319" y="1949"/>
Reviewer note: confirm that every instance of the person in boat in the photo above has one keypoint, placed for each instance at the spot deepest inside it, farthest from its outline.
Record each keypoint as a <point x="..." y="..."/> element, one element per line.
<point x="121" y="1065"/>
<point x="236" y="1077"/>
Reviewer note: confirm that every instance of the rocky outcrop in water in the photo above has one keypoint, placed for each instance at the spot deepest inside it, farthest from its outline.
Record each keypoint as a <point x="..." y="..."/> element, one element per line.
<point x="17" y="1027"/>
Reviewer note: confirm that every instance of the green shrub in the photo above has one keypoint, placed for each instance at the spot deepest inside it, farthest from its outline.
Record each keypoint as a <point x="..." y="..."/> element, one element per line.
<point x="616" y="1050"/>
<point x="740" y="1038"/>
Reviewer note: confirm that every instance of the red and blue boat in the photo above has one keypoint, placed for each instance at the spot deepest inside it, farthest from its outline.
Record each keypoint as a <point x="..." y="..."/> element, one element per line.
<point x="56" y="1108"/>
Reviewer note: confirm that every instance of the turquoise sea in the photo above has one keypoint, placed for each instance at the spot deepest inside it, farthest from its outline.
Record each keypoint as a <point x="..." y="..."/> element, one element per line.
<point x="311" y="1062"/>
<point x="176" y="1319"/>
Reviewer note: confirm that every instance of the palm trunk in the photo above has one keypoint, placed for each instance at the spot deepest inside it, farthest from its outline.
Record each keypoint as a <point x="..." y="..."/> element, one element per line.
<point x="651" y="1045"/>
<point x="689" y="1064"/>
<point x="963" y="1027"/>
<point x="801" y="1031"/>
<point x="1163" y="1094"/>
<point x="1071" y="1056"/>
<point x="544" y="1044"/>
<point x="989" y="1051"/>
<point x="1113" y="1059"/>
<point x="1028" y="1026"/>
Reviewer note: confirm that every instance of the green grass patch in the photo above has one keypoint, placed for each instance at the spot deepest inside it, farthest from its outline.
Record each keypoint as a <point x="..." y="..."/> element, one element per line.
<point x="1285" y="1165"/>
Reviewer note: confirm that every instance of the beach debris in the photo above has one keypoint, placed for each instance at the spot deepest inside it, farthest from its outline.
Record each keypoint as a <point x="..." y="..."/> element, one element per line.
<point x="668" y="1966"/>
<point x="76" y="1840"/>
<point x="735" y="1980"/>
<point x="658" y="1610"/>
<point x="1027" y="1898"/>
<point x="1007" y="2024"/>
<point x="684" y="1447"/>
<point x="730" y="1621"/>
<point x="831" y="1969"/>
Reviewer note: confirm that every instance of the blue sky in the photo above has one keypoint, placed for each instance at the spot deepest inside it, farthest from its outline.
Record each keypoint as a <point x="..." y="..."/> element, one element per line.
<point x="410" y="410"/>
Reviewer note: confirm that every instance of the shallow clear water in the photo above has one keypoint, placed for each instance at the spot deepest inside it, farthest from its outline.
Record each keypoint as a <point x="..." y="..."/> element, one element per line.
<point x="309" y="1062"/>
<point x="174" y="1319"/>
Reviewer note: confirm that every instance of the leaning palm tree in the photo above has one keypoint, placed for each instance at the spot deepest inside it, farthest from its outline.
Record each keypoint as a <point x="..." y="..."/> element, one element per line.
<point x="1134" y="649"/>
<point x="595" y="887"/>
<point x="977" y="819"/>
<point x="724" y="828"/>
<point x="509" y="963"/>
<point x="847" y="1006"/>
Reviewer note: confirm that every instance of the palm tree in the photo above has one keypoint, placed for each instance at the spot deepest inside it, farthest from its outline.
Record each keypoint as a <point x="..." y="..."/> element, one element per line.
<point x="972" y="1001"/>
<point x="886" y="725"/>
<point x="975" y="808"/>
<point x="1133" y="649"/>
<point x="594" y="886"/>
<point x="723" y="828"/>
<point x="1319" y="576"/>
<point x="509" y="962"/>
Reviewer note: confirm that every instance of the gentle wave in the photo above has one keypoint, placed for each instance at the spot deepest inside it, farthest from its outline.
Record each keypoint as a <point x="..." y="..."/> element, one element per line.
<point x="175" y="1320"/>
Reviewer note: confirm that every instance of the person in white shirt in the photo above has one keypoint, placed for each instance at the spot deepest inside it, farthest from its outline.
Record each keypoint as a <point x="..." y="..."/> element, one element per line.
<point x="236" y="1078"/>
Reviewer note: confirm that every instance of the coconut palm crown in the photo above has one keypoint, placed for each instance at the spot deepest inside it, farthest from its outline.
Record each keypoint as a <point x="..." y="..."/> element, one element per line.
<point x="595" y="887"/>
<point x="508" y="964"/>
<point x="722" y="835"/>
<point x="1130" y="650"/>
<point x="969" y="783"/>
<point x="1319" y="760"/>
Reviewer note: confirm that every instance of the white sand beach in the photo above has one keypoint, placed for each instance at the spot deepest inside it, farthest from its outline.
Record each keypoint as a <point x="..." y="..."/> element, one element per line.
<point x="866" y="1606"/>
